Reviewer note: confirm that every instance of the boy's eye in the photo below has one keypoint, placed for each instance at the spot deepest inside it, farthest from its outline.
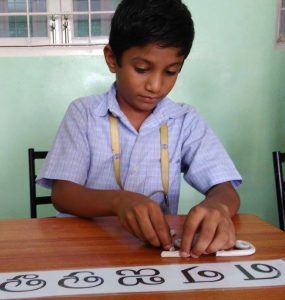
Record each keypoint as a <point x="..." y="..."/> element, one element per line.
<point x="171" y="73"/>
<point x="140" y="70"/>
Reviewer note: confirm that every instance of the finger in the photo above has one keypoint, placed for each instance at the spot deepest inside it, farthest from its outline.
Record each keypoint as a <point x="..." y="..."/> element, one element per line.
<point x="142" y="214"/>
<point x="161" y="228"/>
<point x="191" y="225"/>
<point x="206" y="237"/>
<point x="219" y="240"/>
<point x="224" y="238"/>
<point x="133" y="227"/>
<point x="231" y="237"/>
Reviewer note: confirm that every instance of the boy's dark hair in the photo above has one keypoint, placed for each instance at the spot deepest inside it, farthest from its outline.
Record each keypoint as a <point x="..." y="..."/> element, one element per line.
<point x="167" y="23"/>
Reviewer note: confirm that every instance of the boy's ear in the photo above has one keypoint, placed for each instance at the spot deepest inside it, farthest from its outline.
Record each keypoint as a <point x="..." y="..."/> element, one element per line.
<point x="110" y="59"/>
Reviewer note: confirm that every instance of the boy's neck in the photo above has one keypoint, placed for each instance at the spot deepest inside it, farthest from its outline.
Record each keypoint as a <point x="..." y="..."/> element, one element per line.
<point x="136" y="118"/>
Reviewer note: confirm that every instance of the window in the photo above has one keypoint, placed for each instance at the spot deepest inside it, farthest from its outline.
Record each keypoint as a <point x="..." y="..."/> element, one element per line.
<point x="54" y="23"/>
<point x="281" y="23"/>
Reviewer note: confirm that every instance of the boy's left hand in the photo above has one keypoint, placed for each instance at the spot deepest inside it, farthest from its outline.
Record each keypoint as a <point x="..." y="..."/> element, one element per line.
<point x="211" y="221"/>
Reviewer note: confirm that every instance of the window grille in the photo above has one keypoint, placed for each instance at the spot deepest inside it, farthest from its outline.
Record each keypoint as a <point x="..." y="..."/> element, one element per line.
<point x="281" y="23"/>
<point x="38" y="23"/>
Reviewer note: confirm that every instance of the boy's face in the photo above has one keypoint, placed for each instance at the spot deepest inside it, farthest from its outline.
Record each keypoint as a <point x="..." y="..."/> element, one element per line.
<point x="145" y="76"/>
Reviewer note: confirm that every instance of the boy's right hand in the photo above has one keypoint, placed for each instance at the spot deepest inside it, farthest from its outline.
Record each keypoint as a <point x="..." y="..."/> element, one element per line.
<point x="138" y="213"/>
<point x="143" y="218"/>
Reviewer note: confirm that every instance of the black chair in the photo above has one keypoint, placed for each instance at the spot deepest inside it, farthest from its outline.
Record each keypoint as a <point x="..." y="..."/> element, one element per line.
<point x="278" y="160"/>
<point x="34" y="199"/>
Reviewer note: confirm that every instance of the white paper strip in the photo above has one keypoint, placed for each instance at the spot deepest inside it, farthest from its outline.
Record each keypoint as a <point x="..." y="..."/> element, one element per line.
<point x="133" y="279"/>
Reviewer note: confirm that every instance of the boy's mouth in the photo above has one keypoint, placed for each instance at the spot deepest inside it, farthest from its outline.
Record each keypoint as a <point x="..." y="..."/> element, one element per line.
<point x="150" y="99"/>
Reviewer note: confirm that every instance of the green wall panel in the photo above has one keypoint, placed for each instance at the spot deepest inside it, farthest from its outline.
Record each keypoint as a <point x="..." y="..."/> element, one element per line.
<point x="234" y="76"/>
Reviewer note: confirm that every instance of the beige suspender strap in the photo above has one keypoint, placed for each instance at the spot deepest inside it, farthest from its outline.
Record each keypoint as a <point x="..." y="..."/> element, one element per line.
<point x="115" y="140"/>
<point x="164" y="158"/>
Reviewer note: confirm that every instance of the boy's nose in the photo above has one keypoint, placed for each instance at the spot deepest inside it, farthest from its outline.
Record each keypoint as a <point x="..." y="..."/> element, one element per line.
<point x="154" y="83"/>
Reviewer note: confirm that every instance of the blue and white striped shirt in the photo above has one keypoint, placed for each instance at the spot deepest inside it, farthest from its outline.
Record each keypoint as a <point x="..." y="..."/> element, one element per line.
<point x="82" y="151"/>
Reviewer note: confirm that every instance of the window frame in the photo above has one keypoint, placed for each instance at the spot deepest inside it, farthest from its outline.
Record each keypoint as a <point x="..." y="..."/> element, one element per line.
<point x="280" y="37"/>
<point x="38" y="46"/>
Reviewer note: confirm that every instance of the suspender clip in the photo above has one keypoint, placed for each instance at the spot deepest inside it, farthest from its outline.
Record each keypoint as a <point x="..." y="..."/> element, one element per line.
<point x="116" y="156"/>
<point x="166" y="203"/>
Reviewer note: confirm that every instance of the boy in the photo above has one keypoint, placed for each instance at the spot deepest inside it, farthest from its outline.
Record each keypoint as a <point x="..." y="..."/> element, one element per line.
<point x="121" y="153"/>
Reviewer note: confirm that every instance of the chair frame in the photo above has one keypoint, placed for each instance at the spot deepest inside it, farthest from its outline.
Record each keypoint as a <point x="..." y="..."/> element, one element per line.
<point x="34" y="199"/>
<point x="278" y="160"/>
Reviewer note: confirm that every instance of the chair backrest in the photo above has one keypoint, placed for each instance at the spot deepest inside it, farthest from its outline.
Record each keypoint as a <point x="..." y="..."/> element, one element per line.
<point x="34" y="199"/>
<point x="278" y="160"/>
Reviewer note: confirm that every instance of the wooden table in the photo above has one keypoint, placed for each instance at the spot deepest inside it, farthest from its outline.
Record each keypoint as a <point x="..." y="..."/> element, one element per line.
<point x="73" y="243"/>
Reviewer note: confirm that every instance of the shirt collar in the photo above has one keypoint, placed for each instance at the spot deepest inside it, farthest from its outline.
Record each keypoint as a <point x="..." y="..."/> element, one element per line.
<point x="107" y="102"/>
<point x="167" y="109"/>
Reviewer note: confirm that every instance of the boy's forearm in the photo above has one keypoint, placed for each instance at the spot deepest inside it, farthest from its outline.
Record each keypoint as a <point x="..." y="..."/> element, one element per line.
<point x="75" y="199"/>
<point x="225" y="196"/>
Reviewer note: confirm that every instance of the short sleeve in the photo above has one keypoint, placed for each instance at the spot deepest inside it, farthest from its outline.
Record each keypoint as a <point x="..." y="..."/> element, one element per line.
<point x="69" y="157"/>
<point x="205" y="162"/>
